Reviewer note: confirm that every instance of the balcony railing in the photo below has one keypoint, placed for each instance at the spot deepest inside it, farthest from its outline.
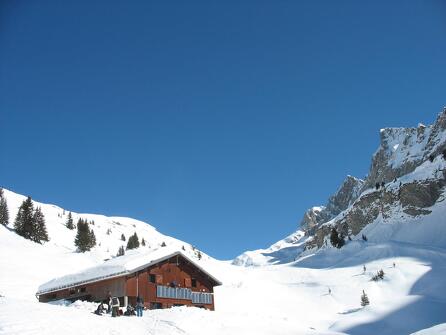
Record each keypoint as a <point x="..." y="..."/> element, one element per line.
<point x="184" y="294"/>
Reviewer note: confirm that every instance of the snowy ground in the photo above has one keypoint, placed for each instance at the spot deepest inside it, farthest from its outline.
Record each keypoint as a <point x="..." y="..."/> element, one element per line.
<point x="279" y="299"/>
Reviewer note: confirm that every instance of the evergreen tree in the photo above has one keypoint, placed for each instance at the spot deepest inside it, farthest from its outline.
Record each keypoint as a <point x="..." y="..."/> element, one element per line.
<point x="40" y="234"/>
<point x="4" y="213"/>
<point x="133" y="242"/>
<point x="91" y="239"/>
<point x="24" y="221"/>
<point x="143" y="242"/>
<point x="121" y="251"/>
<point x="364" y="299"/>
<point x="85" y="238"/>
<point x="163" y="244"/>
<point x="69" y="223"/>
<point x="122" y="237"/>
<point x="336" y="240"/>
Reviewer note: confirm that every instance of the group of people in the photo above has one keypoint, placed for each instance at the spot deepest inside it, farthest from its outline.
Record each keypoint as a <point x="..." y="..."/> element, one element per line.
<point x="112" y="306"/>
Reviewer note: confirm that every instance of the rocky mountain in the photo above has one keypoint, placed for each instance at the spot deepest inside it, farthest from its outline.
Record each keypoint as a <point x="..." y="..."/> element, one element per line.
<point x="405" y="185"/>
<point x="347" y="193"/>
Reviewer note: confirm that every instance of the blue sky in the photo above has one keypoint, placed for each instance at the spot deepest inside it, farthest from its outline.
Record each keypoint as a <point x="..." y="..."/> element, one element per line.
<point x="219" y="123"/>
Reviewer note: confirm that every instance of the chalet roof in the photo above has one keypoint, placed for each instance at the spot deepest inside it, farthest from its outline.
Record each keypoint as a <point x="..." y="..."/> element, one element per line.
<point x="117" y="267"/>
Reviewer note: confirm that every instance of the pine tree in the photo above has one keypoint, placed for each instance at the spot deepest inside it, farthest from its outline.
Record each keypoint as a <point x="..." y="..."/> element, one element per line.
<point x="85" y="238"/>
<point x="40" y="233"/>
<point x="143" y="242"/>
<point x="364" y="299"/>
<point x="91" y="239"/>
<point x="122" y="237"/>
<point x="163" y="244"/>
<point x="121" y="251"/>
<point x="69" y="224"/>
<point x="24" y="221"/>
<point x="4" y="213"/>
<point x="133" y="242"/>
<point x="336" y="240"/>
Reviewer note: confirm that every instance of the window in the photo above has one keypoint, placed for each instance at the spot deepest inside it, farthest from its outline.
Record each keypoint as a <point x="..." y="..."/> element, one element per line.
<point x="83" y="289"/>
<point x="72" y="291"/>
<point x="152" y="278"/>
<point x="194" y="282"/>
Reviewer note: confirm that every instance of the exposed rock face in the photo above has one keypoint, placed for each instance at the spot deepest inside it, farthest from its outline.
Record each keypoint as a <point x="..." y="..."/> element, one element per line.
<point x="413" y="198"/>
<point x="344" y="197"/>
<point x="402" y="150"/>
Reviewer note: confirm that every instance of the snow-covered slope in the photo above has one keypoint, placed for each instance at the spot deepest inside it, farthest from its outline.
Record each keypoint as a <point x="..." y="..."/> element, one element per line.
<point x="280" y="299"/>
<point x="108" y="230"/>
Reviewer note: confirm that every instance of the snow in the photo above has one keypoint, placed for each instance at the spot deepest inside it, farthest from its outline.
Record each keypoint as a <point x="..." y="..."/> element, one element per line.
<point x="283" y="294"/>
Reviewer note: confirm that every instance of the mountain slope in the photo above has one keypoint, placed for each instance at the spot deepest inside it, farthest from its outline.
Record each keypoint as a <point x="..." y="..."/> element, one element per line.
<point x="404" y="189"/>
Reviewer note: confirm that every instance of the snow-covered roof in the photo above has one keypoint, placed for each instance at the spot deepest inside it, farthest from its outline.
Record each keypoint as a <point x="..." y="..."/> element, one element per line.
<point x="132" y="262"/>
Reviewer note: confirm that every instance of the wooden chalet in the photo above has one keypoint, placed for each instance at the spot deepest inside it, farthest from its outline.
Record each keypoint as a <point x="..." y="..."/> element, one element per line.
<point x="163" y="279"/>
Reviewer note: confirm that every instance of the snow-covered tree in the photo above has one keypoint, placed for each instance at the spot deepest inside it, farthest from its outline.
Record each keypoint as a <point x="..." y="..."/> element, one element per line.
<point x="364" y="299"/>
<point x="336" y="240"/>
<point x="69" y="224"/>
<point x="40" y="233"/>
<point x="143" y="242"/>
<point x="122" y="237"/>
<point x="133" y="242"/>
<point x="85" y="238"/>
<point x="4" y="213"/>
<point x="121" y="251"/>
<point x="24" y="221"/>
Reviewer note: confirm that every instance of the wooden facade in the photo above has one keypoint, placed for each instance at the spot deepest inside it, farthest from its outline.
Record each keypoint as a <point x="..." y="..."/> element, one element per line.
<point x="172" y="281"/>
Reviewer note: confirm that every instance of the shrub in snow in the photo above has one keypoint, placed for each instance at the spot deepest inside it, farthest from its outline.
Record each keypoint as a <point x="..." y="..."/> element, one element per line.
<point x="379" y="275"/>
<point x="364" y="299"/>
<point x="364" y="237"/>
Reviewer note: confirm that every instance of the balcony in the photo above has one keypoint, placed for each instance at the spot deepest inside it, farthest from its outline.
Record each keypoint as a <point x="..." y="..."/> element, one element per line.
<point x="184" y="294"/>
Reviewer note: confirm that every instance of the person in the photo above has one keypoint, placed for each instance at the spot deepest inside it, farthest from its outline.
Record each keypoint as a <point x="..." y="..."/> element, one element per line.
<point x="101" y="309"/>
<point x="329" y="291"/>
<point x="109" y="302"/>
<point x="139" y="306"/>
<point x="394" y="264"/>
<point x="364" y="268"/>
<point x="130" y="310"/>
<point x="115" y="306"/>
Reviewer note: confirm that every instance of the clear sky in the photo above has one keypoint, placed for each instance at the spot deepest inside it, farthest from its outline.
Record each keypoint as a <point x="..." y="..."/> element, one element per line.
<point x="219" y="123"/>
